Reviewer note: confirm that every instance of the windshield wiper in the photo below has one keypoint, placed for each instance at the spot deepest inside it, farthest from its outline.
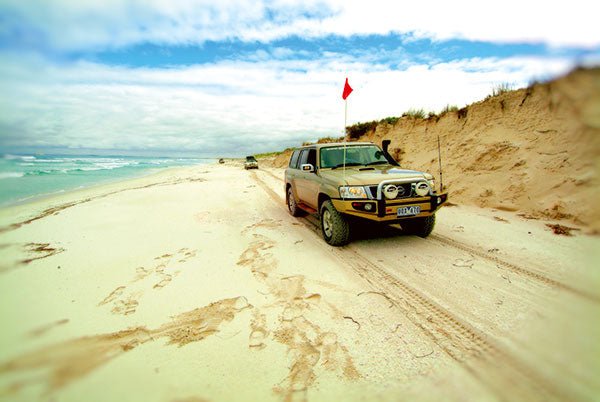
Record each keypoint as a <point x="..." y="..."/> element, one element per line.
<point x="377" y="163"/>
<point x="347" y="164"/>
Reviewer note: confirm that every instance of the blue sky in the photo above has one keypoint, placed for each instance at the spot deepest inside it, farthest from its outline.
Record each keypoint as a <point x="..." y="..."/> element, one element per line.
<point x="207" y="78"/>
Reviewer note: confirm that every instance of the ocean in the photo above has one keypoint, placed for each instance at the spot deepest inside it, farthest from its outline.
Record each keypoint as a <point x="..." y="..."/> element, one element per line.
<point x="26" y="177"/>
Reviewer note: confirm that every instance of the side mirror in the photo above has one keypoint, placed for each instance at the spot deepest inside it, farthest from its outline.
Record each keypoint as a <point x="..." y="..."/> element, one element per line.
<point x="307" y="167"/>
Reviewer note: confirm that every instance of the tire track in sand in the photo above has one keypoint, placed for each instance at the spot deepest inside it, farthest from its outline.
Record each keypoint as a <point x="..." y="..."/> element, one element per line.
<point x="513" y="268"/>
<point x="267" y="171"/>
<point x="477" y="352"/>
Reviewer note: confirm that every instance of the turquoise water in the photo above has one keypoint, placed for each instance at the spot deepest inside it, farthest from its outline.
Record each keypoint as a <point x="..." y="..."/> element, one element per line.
<point x="25" y="177"/>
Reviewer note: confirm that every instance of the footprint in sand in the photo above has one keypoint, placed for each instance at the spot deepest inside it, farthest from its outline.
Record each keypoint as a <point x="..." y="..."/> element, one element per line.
<point x="257" y="338"/>
<point x="124" y="300"/>
<point x="113" y="295"/>
<point x="125" y="307"/>
<point x="258" y="332"/>
<point x="291" y="312"/>
<point x="141" y="273"/>
<point x="163" y="282"/>
<point x="463" y="263"/>
<point x="121" y="305"/>
<point x="265" y="223"/>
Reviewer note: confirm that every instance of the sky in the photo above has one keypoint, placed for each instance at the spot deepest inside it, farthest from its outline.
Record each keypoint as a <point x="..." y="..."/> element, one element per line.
<point x="235" y="77"/>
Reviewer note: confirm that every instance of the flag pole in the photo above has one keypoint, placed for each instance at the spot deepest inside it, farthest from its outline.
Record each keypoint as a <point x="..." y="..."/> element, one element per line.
<point x="345" y="116"/>
<point x="345" y="94"/>
<point x="345" y="123"/>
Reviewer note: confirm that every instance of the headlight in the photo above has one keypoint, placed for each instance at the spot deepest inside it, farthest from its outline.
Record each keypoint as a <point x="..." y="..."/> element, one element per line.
<point x="390" y="191"/>
<point x="422" y="188"/>
<point x="430" y="180"/>
<point x="353" y="192"/>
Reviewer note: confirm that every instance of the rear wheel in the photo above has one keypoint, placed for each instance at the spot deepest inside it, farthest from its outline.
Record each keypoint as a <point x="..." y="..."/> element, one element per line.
<point x="291" y="203"/>
<point x="335" y="227"/>
<point x="421" y="227"/>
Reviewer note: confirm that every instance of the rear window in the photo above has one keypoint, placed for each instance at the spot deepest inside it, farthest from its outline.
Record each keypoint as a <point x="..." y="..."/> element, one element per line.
<point x="303" y="157"/>
<point x="294" y="159"/>
<point x="312" y="157"/>
<point x="308" y="156"/>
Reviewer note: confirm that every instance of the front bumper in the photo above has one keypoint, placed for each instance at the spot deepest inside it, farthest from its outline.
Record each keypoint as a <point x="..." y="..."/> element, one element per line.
<point x="387" y="210"/>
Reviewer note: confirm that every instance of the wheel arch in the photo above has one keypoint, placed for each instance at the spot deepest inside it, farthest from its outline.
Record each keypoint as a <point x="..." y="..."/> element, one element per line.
<point x="322" y="198"/>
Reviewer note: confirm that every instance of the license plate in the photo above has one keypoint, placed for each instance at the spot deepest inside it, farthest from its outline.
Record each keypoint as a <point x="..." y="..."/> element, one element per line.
<point x="409" y="211"/>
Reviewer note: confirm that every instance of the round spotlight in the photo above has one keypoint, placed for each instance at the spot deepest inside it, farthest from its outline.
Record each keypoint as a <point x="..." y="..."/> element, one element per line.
<point x="390" y="191"/>
<point x="422" y="188"/>
<point x="368" y="207"/>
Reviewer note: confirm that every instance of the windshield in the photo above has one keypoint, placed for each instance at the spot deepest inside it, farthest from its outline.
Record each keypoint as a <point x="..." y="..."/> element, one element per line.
<point x="250" y="159"/>
<point x="356" y="155"/>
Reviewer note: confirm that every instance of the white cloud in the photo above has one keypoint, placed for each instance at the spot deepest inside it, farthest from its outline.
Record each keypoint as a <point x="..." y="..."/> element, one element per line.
<point x="551" y="22"/>
<point x="81" y="25"/>
<point x="272" y="99"/>
<point x="230" y="107"/>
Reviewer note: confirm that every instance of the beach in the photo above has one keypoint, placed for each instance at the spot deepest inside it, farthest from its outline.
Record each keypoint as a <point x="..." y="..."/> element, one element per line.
<point x="195" y="284"/>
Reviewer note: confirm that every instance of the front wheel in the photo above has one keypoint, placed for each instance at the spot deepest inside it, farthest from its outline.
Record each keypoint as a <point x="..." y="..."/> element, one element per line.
<point x="421" y="227"/>
<point x="335" y="227"/>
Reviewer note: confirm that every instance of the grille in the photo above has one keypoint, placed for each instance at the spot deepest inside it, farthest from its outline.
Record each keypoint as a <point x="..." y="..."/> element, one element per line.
<point x="407" y="193"/>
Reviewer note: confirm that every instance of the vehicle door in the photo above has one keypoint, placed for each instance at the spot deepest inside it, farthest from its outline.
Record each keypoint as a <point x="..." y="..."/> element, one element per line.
<point x="308" y="184"/>
<point x="292" y="171"/>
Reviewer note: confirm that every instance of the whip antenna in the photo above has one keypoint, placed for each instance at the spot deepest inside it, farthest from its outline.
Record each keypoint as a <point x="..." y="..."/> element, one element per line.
<point x="440" y="162"/>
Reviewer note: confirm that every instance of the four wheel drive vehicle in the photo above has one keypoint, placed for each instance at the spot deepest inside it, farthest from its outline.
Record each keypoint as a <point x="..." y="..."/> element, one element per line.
<point x="250" y="163"/>
<point x="345" y="182"/>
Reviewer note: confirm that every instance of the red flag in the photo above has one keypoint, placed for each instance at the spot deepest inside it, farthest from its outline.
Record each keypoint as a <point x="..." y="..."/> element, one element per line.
<point x="347" y="90"/>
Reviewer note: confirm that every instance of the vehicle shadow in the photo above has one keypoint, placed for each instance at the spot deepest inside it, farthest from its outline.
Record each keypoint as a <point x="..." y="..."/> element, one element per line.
<point x="361" y="230"/>
<point x="370" y="231"/>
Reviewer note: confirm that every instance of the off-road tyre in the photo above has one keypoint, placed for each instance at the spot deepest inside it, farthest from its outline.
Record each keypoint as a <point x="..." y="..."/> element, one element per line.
<point x="421" y="227"/>
<point x="334" y="225"/>
<point x="292" y="205"/>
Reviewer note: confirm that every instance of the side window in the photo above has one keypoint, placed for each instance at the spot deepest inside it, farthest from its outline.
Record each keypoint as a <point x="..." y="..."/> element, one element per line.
<point x="294" y="159"/>
<point x="312" y="157"/>
<point x="303" y="157"/>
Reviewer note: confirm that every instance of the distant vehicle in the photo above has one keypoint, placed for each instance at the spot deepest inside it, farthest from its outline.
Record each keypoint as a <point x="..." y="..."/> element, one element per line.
<point x="221" y="160"/>
<point x="250" y="163"/>
<point x="359" y="181"/>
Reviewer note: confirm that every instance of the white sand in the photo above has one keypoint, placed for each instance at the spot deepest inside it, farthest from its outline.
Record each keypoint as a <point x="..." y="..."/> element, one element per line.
<point x="195" y="284"/>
